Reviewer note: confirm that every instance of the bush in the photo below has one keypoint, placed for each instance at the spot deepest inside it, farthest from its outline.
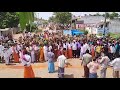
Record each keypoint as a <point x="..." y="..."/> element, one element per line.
<point x="100" y="34"/>
<point x="85" y="32"/>
<point x="33" y="28"/>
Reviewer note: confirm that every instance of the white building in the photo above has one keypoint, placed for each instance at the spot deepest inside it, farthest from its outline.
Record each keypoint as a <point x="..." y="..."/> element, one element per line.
<point x="94" y="24"/>
<point x="114" y="26"/>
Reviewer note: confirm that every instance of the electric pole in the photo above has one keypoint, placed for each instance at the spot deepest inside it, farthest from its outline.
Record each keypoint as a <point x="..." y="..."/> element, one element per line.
<point x="104" y="24"/>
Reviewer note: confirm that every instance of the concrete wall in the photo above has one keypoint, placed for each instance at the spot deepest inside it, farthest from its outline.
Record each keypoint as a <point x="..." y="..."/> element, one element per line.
<point x="114" y="26"/>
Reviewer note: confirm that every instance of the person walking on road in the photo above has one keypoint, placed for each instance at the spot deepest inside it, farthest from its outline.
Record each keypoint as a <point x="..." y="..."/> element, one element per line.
<point x="93" y="67"/>
<point x="116" y="66"/>
<point x="62" y="61"/>
<point x="51" y="57"/>
<point x="104" y="62"/>
<point x="87" y="58"/>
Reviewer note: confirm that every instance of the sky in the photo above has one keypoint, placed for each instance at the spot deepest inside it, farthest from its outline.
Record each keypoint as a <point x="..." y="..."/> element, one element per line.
<point x="46" y="15"/>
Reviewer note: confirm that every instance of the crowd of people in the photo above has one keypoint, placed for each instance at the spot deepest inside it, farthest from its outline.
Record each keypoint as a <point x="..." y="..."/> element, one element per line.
<point x="52" y="47"/>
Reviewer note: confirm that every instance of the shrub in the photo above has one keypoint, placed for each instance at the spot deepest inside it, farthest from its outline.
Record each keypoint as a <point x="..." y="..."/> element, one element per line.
<point x="85" y="32"/>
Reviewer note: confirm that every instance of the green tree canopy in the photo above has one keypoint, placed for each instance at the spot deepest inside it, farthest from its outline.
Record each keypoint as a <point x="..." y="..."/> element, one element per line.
<point x="51" y="19"/>
<point x="9" y="19"/>
<point x="25" y="18"/>
<point x="112" y="15"/>
<point x="62" y="17"/>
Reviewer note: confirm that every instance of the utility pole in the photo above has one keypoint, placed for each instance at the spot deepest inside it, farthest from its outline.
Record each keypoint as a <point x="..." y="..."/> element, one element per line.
<point x="104" y="24"/>
<point x="71" y="22"/>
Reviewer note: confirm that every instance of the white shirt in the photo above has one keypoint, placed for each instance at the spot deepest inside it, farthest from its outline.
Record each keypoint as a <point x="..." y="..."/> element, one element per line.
<point x="69" y="46"/>
<point x="50" y="48"/>
<point x="28" y="58"/>
<point x="82" y="49"/>
<point x="45" y="48"/>
<point x="74" y="46"/>
<point x="61" y="61"/>
<point x="116" y="64"/>
<point x="6" y="54"/>
<point x="112" y="49"/>
<point x="64" y="45"/>
<point x="9" y="51"/>
<point x="93" y="67"/>
<point x="104" y="61"/>
<point x="86" y="46"/>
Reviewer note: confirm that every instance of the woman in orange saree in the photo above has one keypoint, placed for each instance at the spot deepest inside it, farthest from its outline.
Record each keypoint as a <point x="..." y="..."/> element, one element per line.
<point x="26" y="61"/>
<point x="15" y="54"/>
<point x="41" y="54"/>
<point x="69" y="50"/>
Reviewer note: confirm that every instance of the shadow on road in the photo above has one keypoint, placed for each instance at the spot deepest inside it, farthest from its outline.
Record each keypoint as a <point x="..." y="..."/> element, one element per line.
<point x="12" y="64"/>
<point x="37" y="77"/>
<point x="68" y="76"/>
<point x="56" y="71"/>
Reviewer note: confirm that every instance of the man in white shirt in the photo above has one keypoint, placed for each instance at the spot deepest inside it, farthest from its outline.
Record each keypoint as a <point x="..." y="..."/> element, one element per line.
<point x="62" y="60"/>
<point x="116" y="67"/>
<point x="104" y="64"/>
<point x="6" y="56"/>
<point x="74" y="48"/>
<point x="86" y="47"/>
<point x="87" y="58"/>
<point x="112" y="51"/>
<point x="82" y="51"/>
<point x="93" y="67"/>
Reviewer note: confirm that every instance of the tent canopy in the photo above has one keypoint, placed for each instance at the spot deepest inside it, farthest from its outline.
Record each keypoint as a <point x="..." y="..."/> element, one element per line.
<point x="66" y="32"/>
<point x="72" y="32"/>
<point x="76" y="32"/>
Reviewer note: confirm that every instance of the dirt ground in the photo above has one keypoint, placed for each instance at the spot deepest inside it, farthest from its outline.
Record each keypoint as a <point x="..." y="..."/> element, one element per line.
<point x="41" y="70"/>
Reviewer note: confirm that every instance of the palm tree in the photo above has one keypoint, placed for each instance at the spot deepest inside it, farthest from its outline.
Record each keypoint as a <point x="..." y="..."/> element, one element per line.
<point x="25" y="18"/>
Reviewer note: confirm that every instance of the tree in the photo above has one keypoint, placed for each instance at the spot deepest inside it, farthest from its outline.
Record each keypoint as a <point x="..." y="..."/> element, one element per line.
<point x="97" y="14"/>
<point x="51" y="19"/>
<point x="113" y="15"/>
<point x="107" y="15"/>
<point x="9" y="19"/>
<point x="25" y="18"/>
<point x="85" y="32"/>
<point x="62" y="17"/>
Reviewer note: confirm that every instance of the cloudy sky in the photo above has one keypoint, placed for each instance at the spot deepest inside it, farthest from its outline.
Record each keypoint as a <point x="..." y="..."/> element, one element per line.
<point x="46" y="15"/>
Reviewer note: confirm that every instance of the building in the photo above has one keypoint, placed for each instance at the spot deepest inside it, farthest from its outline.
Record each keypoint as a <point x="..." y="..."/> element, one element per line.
<point x="93" y="24"/>
<point x="114" y="26"/>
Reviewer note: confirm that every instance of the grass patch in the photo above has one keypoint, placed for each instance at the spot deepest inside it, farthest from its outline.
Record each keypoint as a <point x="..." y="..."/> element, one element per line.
<point x="115" y="35"/>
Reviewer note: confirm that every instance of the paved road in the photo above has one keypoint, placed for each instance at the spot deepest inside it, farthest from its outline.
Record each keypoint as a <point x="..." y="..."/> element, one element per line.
<point x="41" y="71"/>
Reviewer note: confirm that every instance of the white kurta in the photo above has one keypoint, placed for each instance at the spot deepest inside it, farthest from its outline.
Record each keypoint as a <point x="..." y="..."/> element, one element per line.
<point x="33" y="56"/>
<point x="6" y="56"/>
<point x="45" y="52"/>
